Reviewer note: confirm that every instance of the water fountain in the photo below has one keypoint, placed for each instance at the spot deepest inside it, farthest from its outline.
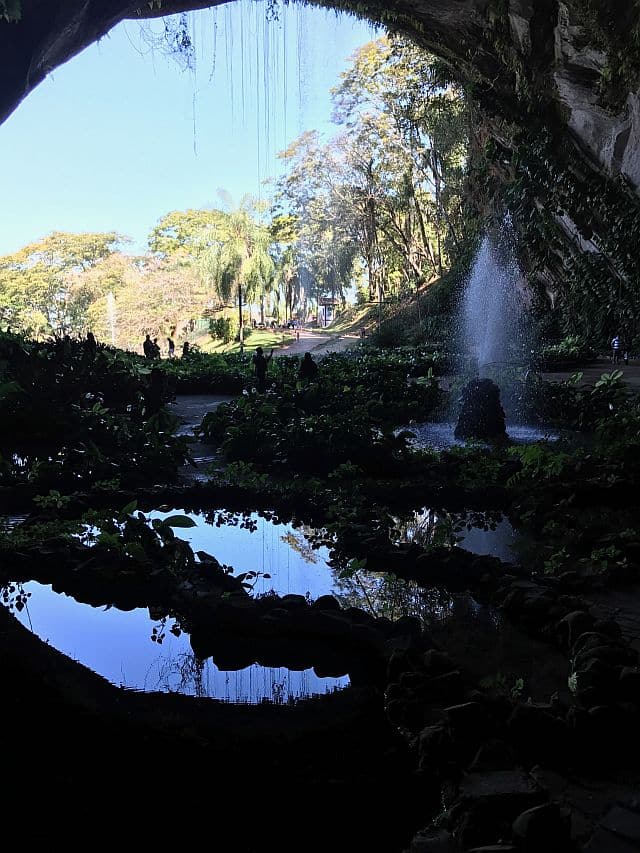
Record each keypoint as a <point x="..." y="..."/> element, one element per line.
<point x="491" y="330"/>
<point x="491" y="309"/>
<point x="493" y="335"/>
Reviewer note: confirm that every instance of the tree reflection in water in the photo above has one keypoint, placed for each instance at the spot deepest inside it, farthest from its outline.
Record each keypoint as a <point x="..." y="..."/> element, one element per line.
<point x="391" y="597"/>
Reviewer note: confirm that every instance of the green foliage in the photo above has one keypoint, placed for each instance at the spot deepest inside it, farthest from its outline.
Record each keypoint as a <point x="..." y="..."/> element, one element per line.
<point x="571" y="349"/>
<point x="68" y="417"/>
<point x="543" y="183"/>
<point x="187" y="232"/>
<point x="343" y="418"/>
<point x="385" y="197"/>
<point x="475" y="466"/>
<point x="539" y="462"/>
<point x="499" y="685"/>
<point x="222" y="328"/>
<point x="10" y="10"/>
<point x="41" y="286"/>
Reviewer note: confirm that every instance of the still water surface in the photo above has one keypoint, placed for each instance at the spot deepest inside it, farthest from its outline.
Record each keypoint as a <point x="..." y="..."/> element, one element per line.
<point x="118" y="644"/>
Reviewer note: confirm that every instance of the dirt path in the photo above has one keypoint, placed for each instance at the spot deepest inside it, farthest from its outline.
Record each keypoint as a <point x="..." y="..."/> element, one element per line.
<point x="317" y="343"/>
<point x="592" y="371"/>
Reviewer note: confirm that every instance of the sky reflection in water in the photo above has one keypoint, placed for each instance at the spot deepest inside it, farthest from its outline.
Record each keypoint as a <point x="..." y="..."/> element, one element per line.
<point x="118" y="645"/>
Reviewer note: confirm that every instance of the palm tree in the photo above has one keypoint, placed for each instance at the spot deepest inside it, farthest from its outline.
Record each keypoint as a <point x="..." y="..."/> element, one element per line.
<point x="239" y="258"/>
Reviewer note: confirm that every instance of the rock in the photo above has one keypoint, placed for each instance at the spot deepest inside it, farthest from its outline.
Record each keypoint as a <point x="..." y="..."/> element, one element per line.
<point x="467" y="720"/>
<point x="326" y="602"/>
<point x="384" y="625"/>
<point x="493" y="848"/>
<point x="413" y="681"/>
<point x="409" y="625"/>
<point x="610" y="654"/>
<point x="448" y="687"/>
<point x="434" y="747"/>
<point x="623" y="822"/>
<point x="358" y="616"/>
<point x="437" y="662"/>
<point x="571" y="581"/>
<point x="399" y="662"/>
<point x="407" y="712"/>
<point x="543" y="827"/>
<point x="499" y="785"/>
<point x="431" y="841"/>
<point x="629" y="684"/>
<point x="367" y="637"/>
<point x="481" y="414"/>
<point x="609" y="628"/>
<point x="393" y="691"/>
<point x="603" y="841"/>
<point x="573" y="625"/>
<point x="293" y="602"/>
<point x="596" y="679"/>
<point x="538" y="733"/>
<point x="323" y="623"/>
<point x="493" y="755"/>
<point x="590" y="639"/>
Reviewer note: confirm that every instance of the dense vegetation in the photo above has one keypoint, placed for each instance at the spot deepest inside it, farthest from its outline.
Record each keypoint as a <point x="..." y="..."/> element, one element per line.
<point x="373" y="214"/>
<point x="89" y="447"/>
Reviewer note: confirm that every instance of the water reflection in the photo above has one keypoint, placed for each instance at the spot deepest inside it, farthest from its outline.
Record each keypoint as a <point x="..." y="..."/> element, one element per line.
<point x="133" y="650"/>
<point x="286" y="558"/>
<point x="483" y="533"/>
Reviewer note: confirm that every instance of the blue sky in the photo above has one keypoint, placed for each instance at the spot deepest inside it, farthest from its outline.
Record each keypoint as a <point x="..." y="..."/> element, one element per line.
<point x="121" y="135"/>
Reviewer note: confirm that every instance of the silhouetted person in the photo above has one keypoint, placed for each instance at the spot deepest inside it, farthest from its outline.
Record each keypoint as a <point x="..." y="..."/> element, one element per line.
<point x="172" y="347"/>
<point x="260" y="364"/>
<point x="185" y="349"/>
<point x="155" y="351"/>
<point x="147" y="347"/>
<point x="154" y="393"/>
<point x="90" y="346"/>
<point x="308" y="368"/>
<point x="616" y="349"/>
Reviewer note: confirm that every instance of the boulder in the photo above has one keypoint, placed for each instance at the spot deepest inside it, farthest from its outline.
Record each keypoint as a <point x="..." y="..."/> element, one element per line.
<point x="481" y="414"/>
<point x="543" y="828"/>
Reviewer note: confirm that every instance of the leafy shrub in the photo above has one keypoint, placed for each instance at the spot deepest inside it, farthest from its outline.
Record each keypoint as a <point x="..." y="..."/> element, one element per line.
<point x="223" y="329"/>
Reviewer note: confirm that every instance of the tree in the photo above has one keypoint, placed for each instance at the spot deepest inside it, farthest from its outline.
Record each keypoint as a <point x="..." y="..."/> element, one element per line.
<point x="386" y="193"/>
<point x="39" y="283"/>
<point x="238" y="261"/>
<point x="185" y="231"/>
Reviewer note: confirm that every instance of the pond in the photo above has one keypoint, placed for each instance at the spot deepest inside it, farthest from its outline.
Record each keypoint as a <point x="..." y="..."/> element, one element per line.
<point x="136" y="651"/>
<point x="440" y="435"/>
<point x="118" y="645"/>
<point x="483" y="533"/>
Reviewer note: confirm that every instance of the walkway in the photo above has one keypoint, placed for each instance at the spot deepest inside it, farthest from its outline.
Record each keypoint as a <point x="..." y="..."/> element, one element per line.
<point x="318" y="343"/>
<point x="592" y="371"/>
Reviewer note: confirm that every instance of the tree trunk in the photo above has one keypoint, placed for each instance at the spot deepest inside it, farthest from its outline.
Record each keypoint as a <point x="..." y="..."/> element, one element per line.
<point x="241" y="330"/>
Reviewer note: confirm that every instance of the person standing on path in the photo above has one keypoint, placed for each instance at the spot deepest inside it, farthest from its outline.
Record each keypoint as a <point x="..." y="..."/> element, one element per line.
<point x="616" y="346"/>
<point x="260" y="364"/>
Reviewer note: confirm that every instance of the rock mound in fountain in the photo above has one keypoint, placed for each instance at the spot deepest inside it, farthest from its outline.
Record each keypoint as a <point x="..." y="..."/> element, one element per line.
<point x="481" y="415"/>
